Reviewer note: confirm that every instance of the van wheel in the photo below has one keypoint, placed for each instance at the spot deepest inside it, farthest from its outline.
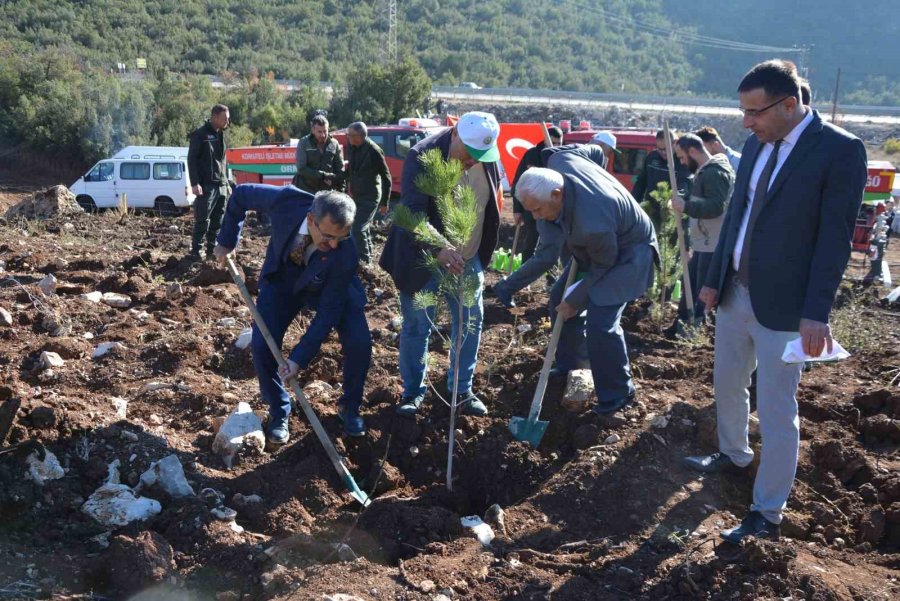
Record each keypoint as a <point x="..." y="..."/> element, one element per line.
<point x="87" y="203"/>
<point x="165" y="207"/>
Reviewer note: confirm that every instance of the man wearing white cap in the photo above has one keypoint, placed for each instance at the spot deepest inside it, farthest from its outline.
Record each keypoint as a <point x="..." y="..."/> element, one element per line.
<point x="607" y="141"/>
<point x="473" y="142"/>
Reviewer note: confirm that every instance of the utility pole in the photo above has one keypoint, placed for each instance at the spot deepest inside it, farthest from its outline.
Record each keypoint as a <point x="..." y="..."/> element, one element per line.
<point x="392" y="31"/>
<point x="837" y="84"/>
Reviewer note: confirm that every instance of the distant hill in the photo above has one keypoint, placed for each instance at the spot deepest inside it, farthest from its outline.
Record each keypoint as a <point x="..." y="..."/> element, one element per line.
<point x="862" y="38"/>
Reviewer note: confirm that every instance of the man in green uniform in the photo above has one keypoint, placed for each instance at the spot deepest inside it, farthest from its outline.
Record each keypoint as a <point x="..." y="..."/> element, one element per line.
<point x="370" y="185"/>
<point x="320" y="162"/>
<point x="209" y="180"/>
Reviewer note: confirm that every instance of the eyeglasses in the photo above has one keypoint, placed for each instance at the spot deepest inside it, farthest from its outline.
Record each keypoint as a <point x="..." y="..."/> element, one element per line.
<point x="758" y="112"/>
<point x="329" y="237"/>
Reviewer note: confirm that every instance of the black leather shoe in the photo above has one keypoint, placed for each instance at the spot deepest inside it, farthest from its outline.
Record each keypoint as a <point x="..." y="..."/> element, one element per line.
<point x="753" y="525"/>
<point x="708" y="464"/>
<point x="410" y="405"/>
<point x="609" y="407"/>
<point x="472" y="405"/>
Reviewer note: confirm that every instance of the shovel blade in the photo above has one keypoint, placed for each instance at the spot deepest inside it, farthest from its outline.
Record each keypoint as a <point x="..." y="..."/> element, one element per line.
<point x="525" y="430"/>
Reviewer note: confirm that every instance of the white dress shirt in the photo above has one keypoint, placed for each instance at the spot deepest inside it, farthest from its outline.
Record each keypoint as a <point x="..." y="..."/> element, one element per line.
<point x="784" y="151"/>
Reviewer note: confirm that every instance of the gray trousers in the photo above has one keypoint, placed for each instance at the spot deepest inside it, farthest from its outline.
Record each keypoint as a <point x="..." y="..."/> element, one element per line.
<point x="743" y="344"/>
<point x="550" y="245"/>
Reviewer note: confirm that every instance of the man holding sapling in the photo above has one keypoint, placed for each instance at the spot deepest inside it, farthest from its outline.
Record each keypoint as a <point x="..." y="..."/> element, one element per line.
<point x="472" y="142"/>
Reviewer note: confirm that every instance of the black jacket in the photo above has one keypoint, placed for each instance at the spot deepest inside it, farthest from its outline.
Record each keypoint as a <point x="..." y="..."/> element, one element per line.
<point x="206" y="157"/>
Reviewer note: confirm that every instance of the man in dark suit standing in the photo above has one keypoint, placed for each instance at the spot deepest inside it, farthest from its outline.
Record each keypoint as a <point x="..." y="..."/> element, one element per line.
<point x="310" y="264"/>
<point x="781" y="254"/>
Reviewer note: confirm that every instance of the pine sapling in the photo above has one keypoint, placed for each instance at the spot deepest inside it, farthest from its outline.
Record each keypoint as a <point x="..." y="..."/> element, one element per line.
<point x="457" y="208"/>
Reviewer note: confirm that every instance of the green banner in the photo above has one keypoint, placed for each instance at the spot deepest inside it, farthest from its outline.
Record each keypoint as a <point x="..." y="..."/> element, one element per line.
<point x="264" y="169"/>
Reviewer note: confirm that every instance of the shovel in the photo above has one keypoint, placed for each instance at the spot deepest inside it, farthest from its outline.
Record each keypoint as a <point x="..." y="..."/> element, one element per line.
<point x="531" y="429"/>
<point x="332" y="453"/>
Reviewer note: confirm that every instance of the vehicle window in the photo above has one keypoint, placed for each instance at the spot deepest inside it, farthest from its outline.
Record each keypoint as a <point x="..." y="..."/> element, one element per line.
<point x="168" y="171"/>
<point x="134" y="171"/>
<point x="406" y="140"/>
<point x="102" y="172"/>
<point x="378" y="139"/>
<point x="630" y="161"/>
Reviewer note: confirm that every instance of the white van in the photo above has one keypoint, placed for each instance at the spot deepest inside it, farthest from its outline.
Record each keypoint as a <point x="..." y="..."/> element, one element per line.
<point x="151" y="177"/>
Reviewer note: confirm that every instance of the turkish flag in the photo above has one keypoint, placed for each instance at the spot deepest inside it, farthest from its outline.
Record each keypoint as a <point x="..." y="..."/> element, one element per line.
<point x="514" y="140"/>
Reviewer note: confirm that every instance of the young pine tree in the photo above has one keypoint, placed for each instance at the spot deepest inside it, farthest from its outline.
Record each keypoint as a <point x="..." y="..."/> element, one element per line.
<point x="669" y="270"/>
<point x="457" y="208"/>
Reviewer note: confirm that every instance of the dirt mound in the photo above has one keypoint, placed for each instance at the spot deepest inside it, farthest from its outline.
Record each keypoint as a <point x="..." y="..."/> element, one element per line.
<point x="57" y="200"/>
<point x="601" y="509"/>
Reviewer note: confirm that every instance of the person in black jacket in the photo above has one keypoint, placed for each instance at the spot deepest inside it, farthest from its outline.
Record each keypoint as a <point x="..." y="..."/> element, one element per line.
<point x="209" y="180"/>
<point x="531" y="158"/>
<point x="654" y="171"/>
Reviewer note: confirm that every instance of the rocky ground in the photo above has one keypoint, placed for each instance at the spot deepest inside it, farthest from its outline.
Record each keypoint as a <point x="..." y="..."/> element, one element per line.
<point x="601" y="510"/>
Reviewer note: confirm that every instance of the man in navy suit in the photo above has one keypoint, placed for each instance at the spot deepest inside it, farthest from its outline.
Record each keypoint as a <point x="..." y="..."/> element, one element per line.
<point x="310" y="264"/>
<point x="783" y="247"/>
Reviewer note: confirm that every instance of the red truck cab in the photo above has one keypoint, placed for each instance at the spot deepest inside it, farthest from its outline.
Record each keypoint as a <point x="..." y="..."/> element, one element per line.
<point x="633" y="145"/>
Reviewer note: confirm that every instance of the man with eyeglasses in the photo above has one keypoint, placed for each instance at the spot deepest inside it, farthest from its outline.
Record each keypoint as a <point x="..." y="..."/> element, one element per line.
<point x="782" y="250"/>
<point x="310" y="263"/>
<point x="654" y="171"/>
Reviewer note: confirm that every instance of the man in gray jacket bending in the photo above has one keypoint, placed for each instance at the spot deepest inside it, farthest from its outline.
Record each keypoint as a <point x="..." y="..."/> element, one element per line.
<point x="614" y="249"/>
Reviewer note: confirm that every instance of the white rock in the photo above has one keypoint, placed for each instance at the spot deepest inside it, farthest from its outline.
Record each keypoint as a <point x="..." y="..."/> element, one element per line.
<point x="579" y="390"/>
<point x="107" y="347"/>
<point x="50" y="359"/>
<point x="41" y="471"/>
<point x="88" y="336"/>
<point x="239" y="499"/>
<point x="114" y="299"/>
<point x="174" y="290"/>
<point x="242" y="426"/>
<point x="168" y="473"/>
<point x="396" y="323"/>
<point x="612" y="439"/>
<point x="94" y="297"/>
<point x="317" y="388"/>
<point x="48" y="284"/>
<point x="341" y="597"/>
<point x="139" y="315"/>
<point x="152" y="386"/>
<point x="5" y="317"/>
<point x="121" y="406"/>
<point x="227" y="322"/>
<point x="483" y="532"/>
<point x="116" y="505"/>
<point x="244" y="338"/>
<point x="225" y="514"/>
<point x="658" y="421"/>
<point x="523" y="328"/>
<point x="46" y="376"/>
<point x="173" y="229"/>
<point x="69" y="227"/>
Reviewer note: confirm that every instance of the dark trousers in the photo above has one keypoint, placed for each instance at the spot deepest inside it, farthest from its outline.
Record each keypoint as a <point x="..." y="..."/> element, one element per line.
<point x="697" y="267"/>
<point x="279" y="304"/>
<point x="528" y="236"/>
<point x="594" y="337"/>
<point x="208" y="211"/>
<point x="362" y="237"/>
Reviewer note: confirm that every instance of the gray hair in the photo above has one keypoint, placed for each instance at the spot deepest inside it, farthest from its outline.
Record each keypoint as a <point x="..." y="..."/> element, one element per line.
<point x="358" y="127"/>
<point x="539" y="182"/>
<point x="337" y="206"/>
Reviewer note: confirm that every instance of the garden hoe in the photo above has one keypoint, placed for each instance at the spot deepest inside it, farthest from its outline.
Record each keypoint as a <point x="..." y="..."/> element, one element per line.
<point x="531" y="429"/>
<point x="322" y="435"/>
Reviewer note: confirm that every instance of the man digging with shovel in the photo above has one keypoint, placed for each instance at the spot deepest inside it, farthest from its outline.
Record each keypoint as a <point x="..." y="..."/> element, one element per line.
<point x="310" y="263"/>
<point x="613" y="241"/>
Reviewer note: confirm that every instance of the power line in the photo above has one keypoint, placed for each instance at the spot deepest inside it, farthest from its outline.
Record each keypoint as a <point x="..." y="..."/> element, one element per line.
<point x="685" y="36"/>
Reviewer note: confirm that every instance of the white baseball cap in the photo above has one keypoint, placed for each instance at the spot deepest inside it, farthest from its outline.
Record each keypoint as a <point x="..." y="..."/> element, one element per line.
<point x="479" y="132"/>
<point x="606" y="137"/>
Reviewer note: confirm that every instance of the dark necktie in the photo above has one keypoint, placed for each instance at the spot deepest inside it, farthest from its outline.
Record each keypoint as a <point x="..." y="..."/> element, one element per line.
<point x="759" y="200"/>
<point x="298" y="254"/>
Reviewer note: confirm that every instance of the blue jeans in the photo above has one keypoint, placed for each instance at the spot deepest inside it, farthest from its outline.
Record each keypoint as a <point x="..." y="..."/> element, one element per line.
<point x="594" y="337"/>
<point x="417" y="329"/>
<point x="279" y="304"/>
